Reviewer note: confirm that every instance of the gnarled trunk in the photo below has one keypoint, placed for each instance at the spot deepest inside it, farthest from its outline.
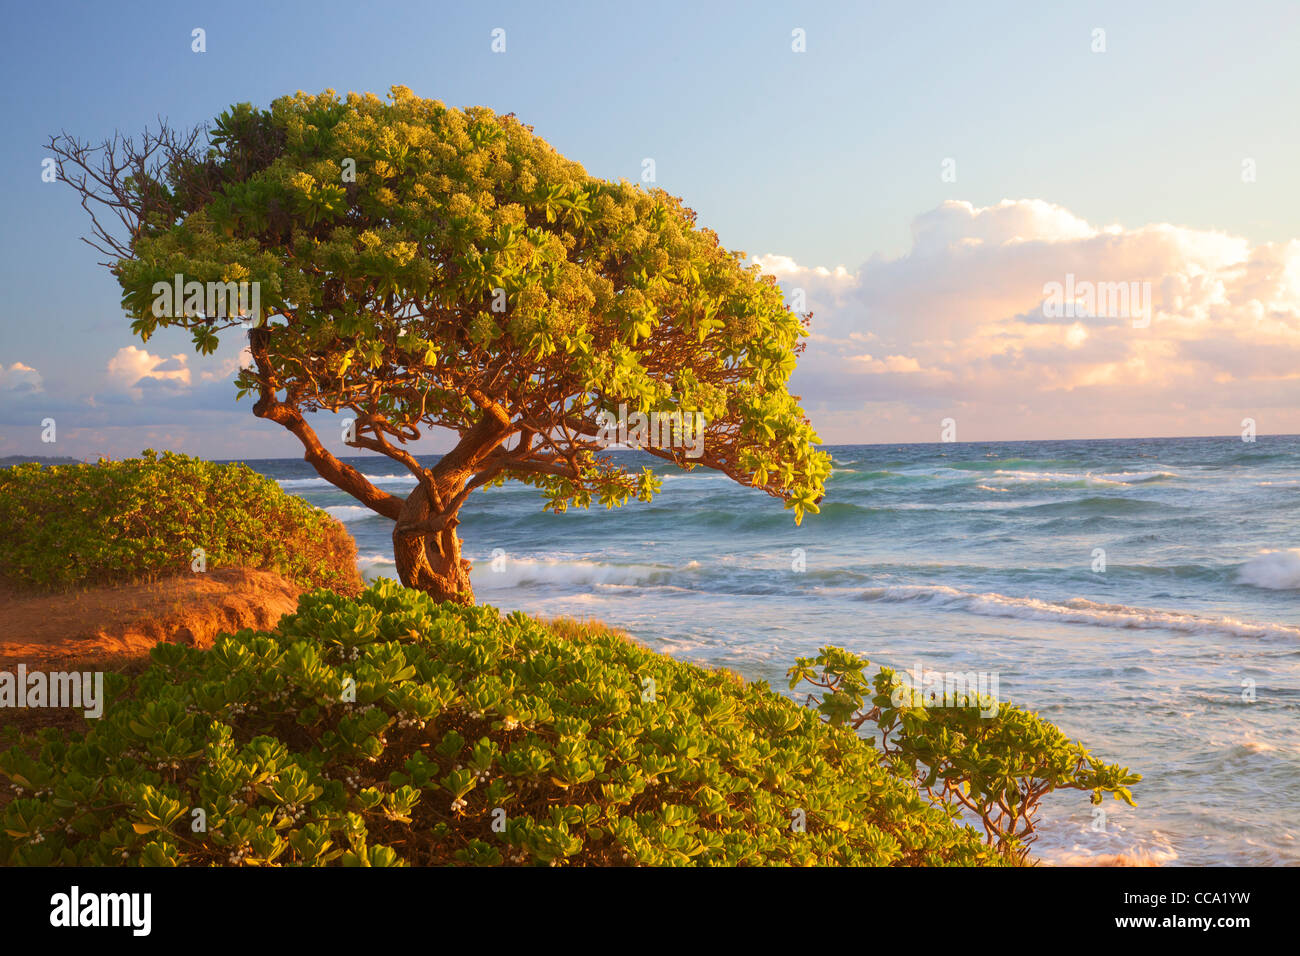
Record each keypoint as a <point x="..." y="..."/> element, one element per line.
<point x="425" y="545"/>
<point x="431" y="561"/>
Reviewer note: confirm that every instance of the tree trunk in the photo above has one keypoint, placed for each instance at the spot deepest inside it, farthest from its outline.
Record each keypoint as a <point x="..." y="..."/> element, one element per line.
<point x="431" y="562"/>
<point x="425" y="545"/>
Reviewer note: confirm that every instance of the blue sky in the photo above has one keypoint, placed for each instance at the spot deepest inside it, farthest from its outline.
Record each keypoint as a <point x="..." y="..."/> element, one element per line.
<point x="1127" y="162"/>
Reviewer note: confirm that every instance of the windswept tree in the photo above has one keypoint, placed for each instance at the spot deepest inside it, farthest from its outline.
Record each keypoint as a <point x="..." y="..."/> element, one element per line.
<point x="421" y="267"/>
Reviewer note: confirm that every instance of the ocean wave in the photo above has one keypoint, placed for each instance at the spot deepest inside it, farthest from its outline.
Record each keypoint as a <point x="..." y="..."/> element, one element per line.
<point x="508" y="572"/>
<point x="1000" y="464"/>
<point x="1248" y="748"/>
<point x="1070" y="841"/>
<point x="1087" y="478"/>
<point x="1275" y="570"/>
<point x="376" y="566"/>
<point x="321" y="482"/>
<point x="1100" y="505"/>
<point x="1177" y="572"/>
<point x="1132" y="477"/>
<point x="1038" y="477"/>
<point x="350" y="513"/>
<point x="996" y="470"/>
<point x="1076" y="611"/>
<point x="1083" y="856"/>
<point x="856" y="476"/>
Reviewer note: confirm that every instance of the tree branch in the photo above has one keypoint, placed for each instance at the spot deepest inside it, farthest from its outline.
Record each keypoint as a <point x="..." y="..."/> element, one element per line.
<point x="341" y="475"/>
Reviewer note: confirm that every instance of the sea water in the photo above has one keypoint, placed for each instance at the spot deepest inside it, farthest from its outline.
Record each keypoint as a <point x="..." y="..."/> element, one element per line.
<point x="1143" y="595"/>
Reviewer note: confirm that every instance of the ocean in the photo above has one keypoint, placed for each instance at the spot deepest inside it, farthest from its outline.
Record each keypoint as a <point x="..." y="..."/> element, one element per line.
<point x="1143" y="595"/>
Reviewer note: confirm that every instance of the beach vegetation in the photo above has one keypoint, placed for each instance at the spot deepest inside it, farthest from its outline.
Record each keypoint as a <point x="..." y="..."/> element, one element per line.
<point x="390" y="729"/>
<point x="986" y="759"/>
<point x="159" y="515"/>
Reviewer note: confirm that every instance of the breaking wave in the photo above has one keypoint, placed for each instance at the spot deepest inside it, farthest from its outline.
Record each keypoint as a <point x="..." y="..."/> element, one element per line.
<point x="1076" y="611"/>
<point x="406" y="479"/>
<point x="1275" y="570"/>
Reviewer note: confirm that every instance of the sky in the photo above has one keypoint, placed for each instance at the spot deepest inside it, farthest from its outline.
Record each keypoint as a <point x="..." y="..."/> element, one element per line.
<point x="925" y="178"/>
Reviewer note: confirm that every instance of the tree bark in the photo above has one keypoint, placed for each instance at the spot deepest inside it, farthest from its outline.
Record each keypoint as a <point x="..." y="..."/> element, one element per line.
<point x="430" y="560"/>
<point x="426" y="548"/>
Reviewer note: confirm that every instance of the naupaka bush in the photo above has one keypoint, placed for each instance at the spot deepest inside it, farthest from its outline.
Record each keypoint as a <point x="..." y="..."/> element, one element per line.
<point x="980" y="756"/>
<point x="390" y="729"/>
<point x="141" y="518"/>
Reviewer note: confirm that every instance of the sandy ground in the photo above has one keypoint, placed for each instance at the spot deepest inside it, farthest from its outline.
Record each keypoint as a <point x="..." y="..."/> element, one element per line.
<point x="113" y="628"/>
<point x="120" y="623"/>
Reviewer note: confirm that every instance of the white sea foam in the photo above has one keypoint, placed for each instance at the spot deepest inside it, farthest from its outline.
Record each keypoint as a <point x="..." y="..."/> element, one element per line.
<point x="347" y="513"/>
<point x="1107" y="478"/>
<point x="407" y="479"/>
<point x="1250" y="747"/>
<point x="1275" y="570"/>
<point x="1076" y="841"/>
<point x="1076" y="611"/>
<point x="375" y="565"/>
<point x="1037" y="476"/>
<point x="996" y="504"/>
<point x="1132" y="477"/>
<point x="513" y="572"/>
<point x="1080" y="855"/>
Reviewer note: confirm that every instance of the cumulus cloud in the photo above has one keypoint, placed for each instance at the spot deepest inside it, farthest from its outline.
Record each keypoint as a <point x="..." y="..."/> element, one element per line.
<point x="226" y="367"/>
<point x="132" y="366"/>
<point x="20" y="378"/>
<point x="963" y="325"/>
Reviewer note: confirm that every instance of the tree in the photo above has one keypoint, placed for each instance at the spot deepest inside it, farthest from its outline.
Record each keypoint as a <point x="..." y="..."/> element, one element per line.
<point x="426" y="267"/>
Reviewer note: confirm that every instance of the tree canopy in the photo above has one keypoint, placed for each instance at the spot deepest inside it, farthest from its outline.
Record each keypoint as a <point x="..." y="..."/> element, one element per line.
<point x="425" y="267"/>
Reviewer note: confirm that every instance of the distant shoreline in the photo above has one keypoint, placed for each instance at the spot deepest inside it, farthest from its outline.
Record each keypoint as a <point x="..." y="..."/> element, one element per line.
<point x="361" y="453"/>
<point x="39" y="460"/>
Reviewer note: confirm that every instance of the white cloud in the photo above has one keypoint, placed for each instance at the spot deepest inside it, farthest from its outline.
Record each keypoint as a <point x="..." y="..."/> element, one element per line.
<point x="132" y="365"/>
<point x="1010" y="221"/>
<point x="20" y="378"/>
<point x="957" y="326"/>
<point x="892" y="363"/>
<point x="225" y="368"/>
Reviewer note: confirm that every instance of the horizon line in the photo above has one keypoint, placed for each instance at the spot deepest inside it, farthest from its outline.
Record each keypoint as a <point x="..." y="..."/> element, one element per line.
<point x="877" y="444"/>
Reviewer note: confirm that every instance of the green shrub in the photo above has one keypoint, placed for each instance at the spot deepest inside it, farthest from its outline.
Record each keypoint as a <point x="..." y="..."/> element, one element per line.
<point x="998" y="768"/>
<point x="142" y="518"/>
<point x="391" y="730"/>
